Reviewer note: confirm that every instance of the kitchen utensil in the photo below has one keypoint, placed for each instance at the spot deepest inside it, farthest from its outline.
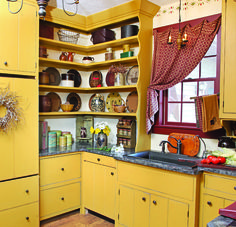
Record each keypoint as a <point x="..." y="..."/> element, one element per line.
<point x="70" y="56"/>
<point x="225" y="141"/>
<point x="67" y="80"/>
<point x="74" y="98"/>
<point x="77" y="77"/>
<point x="119" y="108"/>
<point x="56" y="101"/>
<point x="190" y="143"/>
<point x="113" y="98"/>
<point x="132" y="75"/>
<point x="68" y="36"/>
<point x="63" y="56"/>
<point x="87" y="59"/>
<point x="67" y="107"/>
<point x="132" y="102"/>
<point x="54" y="76"/>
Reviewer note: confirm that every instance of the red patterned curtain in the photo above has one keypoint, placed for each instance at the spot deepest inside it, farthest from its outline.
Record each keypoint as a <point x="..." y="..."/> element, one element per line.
<point x="170" y="65"/>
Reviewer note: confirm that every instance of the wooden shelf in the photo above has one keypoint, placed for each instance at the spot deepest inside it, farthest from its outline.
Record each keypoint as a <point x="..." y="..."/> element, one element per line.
<point x="86" y="113"/>
<point x="87" y="90"/>
<point x="87" y="49"/>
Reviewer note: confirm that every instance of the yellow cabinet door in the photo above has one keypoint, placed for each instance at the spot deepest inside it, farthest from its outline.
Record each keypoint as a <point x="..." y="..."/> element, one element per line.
<point x="228" y="56"/>
<point x="8" y="38"/>
<point x="99" y="188"/>
<point x="20" y="145"/>
<point x="158" y="211"/>
<point x="211" y="205"/>
<point x="22" y="216"/>
<point x="28" y="38"/>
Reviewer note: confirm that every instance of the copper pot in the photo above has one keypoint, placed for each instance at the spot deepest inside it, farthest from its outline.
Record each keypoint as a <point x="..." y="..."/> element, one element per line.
<point x="44" y="77"/>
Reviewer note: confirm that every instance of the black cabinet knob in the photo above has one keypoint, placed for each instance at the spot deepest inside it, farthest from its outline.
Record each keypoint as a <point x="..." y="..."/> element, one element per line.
<point x="62" y="169"/>
<point x="27" y="191"/>
<point x="5" y="63"/>
<point x="62" y="198"/>
<point x="209" y="203"/>
<point x="234" y="187"/>
<point x="144" y="199"/>
<point x="27" y="218"/>
<point x="98" y="159"/>
<point x="112" y="173"/>
<point x="154" y="202"/>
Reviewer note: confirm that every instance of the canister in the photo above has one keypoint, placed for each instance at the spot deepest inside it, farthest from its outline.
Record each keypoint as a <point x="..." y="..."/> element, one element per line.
<point x="65" y="132"/>
<point x="129" y="142"/>
<point x="52" y="139"/>
<point x="125" y="132"/>
<point x="129" y="132"/>
<point x="63" y="141"/>
<point x="43" y="135"/>
<point x="58" y="132"/>
<point x="68" y="139"/>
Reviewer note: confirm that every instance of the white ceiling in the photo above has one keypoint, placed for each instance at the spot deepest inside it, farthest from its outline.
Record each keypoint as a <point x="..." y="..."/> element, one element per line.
<point x="88" y="7"/>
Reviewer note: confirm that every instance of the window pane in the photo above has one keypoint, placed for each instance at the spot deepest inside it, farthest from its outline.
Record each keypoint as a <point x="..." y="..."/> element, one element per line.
<point x="174" y="93"/>
<point x="173" y="112"/>
<point x="213" y="48"/>
<point x="189" y="113"/>
<point x="194" y="74"/>
<point x="206" y="88"/>
<point x="208" y="67"/>
<point x="189" y="90"/>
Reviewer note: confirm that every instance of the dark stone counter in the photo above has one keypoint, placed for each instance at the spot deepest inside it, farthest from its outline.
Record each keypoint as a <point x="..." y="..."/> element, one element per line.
<point x="77" y="147"/>
<point x="222" y="221"/>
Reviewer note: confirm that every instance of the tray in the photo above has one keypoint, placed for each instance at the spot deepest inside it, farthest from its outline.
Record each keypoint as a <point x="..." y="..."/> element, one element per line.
<point x="77" y="78"/>
<point x="75" y="99"/>
<point x="55" y="100"/>
<point x="132" y="102"/>
<point x="190" y="143"/>
<point x="132" y="75"/>
<point x="113" y="98"/>
<point x="110" y="79"/>
<point x="54" y="76"/>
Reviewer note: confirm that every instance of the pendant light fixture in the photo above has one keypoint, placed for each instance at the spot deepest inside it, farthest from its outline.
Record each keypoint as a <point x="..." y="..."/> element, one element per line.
<point x="76" y="2"/>
<point x="182" y="39"/>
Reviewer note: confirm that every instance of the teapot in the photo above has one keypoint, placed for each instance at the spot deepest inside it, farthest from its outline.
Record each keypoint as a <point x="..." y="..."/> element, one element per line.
<point x="70" y="56"/>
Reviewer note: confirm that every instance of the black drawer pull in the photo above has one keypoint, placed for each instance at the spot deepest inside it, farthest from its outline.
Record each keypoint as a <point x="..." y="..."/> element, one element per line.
<point x="144" y="199"/>
<point x="112" y="173"/>
<point x="5" y="63"/>
<point x="209" y="203"/>
<point x="62" y="169"/>
<point x="27" y="191"/>
<point x="98" y="159"/>
<point x="234" y="187"/>
<point x="62" y="198"/>
<point x="154" y="202"/>
<point x="27" y="218"/>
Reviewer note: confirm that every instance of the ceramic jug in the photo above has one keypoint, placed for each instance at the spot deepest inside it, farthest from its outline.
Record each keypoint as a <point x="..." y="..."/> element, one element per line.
<point x="70" y="56"/>
<point x="63" y="56"/>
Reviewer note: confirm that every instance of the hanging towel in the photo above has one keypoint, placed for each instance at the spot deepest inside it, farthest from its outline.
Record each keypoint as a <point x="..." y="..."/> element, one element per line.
<point x="210" y="113"/>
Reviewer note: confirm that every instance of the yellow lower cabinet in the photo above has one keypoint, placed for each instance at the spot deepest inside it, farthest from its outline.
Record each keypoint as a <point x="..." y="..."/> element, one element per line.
<point x="23" y="216"/>
<point x="99" y="188"/>
<point x="54" y="201"/>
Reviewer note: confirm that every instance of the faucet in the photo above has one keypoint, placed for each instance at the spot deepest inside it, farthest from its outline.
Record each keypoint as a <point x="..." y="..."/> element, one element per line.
<point x="178" y="147"/>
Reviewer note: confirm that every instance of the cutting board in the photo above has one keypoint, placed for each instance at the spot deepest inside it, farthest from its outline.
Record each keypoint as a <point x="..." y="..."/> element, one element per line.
<point x="229" y="211"/>
<point x="190" y="143"/>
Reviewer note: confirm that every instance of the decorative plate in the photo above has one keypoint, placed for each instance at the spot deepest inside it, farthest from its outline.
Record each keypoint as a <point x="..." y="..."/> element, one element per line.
<point x="54" y="76"/>
<point x="90" y="100"/>
<point x="98" y="103"/>
<point x="110" y="79"/>
<point x="55" y="100"/>
<point x="77" y="78"/>
<point x="132" y="102"/>
<point x="132" y="75"/>
<point x="113" y="98"/>
<point x="95" y="79"/>
<point x="74" y="98"/>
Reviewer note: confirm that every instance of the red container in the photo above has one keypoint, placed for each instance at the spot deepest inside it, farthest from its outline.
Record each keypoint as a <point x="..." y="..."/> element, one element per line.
<point x="102" y="35"/>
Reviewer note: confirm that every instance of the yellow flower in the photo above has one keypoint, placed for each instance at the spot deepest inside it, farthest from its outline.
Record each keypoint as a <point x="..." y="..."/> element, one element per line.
<point x="97" y="130"/>
<point x="106" y="131"/>
<point x="92" y="130"/>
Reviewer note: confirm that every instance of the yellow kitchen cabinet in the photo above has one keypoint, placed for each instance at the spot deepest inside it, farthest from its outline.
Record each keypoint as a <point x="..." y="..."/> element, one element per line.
<point x="19" y="38"/>
<point x="99" y="180"/>
<point x="154" y="197"/>
<point x="228" y="56"/>
<point x="60" y="184"/>
<point x="217" y="191"/>
<point x="19" y="156"/>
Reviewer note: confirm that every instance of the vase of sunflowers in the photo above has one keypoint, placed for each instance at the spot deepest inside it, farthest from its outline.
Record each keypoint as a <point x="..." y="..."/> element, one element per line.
<point x="102" y="130"/>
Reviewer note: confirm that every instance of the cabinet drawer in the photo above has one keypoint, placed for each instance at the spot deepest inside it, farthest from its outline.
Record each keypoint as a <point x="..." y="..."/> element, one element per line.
<point x="220" y="183"/>
<point x="58" y="200"/>
<point x="27" y="215"/>
<point x="59" y="168"/>
<point x="18" y="192"/>
<point x="99" y="159"/>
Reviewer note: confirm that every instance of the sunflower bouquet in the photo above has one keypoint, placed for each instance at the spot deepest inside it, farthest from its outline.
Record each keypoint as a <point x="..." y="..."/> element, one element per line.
<point x="101" y="127"/>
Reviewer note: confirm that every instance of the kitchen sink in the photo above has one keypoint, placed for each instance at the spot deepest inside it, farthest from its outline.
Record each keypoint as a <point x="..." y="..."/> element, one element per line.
<point x="171" y="158"/>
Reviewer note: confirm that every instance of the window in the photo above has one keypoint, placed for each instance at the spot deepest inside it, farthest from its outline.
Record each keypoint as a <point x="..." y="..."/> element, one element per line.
<point x="177" y="109"/>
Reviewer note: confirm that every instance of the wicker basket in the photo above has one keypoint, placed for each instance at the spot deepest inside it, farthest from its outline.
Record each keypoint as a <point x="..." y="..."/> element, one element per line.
<point x="68" y="36"/>
<point x="119" y="108"/>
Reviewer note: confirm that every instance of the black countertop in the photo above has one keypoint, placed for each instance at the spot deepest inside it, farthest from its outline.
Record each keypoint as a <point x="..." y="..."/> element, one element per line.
<point x="77" y="147"/>
<point x="222" y="221"/>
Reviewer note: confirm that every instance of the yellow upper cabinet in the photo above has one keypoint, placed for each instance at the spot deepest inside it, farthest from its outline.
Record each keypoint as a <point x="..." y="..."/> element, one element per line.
<point x="19" y="38"/>
<point x="228" y="57"/>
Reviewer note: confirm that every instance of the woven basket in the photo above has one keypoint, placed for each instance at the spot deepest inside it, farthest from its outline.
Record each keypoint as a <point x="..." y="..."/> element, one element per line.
<point x="68" y="36"/>
<point x="119" y="108"/>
